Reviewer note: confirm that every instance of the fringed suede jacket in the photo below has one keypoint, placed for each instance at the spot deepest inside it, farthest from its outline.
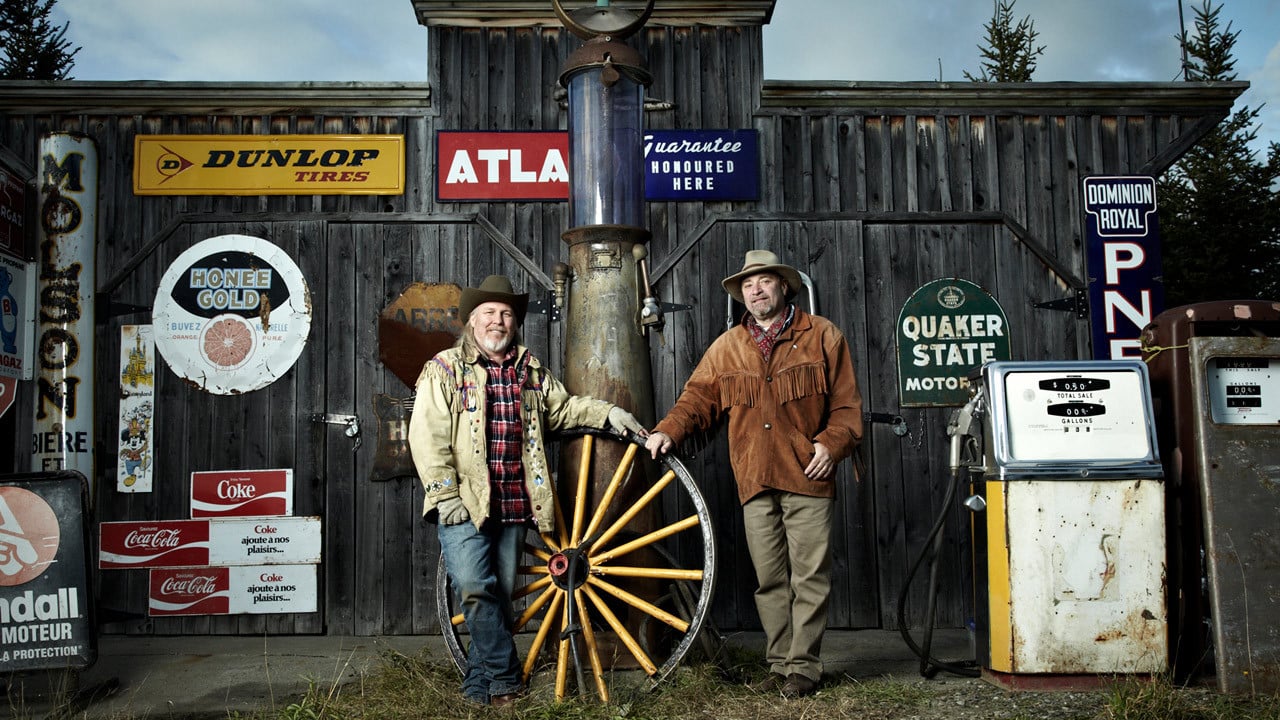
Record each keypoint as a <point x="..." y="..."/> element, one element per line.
<point x="807" y="393"/>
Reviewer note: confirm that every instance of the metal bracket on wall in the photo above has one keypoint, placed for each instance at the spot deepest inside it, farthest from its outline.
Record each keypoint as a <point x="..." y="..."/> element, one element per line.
<point x="351" y="422"/>
<point x="544" y="306"/>
<point x="896" y="421"/>
<point x="1077" y="303"/>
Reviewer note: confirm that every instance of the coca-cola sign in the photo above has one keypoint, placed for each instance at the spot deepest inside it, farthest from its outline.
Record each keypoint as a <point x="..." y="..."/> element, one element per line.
<point x="217" y="542"/>
<point x="205" y="591"/>
<point x="241" y="493"/>
<point x="233" y="590"/>
<point x="167" y="543"/>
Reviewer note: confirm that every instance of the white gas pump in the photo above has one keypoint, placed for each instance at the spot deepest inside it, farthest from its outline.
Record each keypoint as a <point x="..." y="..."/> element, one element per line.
<point x="1069" y="539"/>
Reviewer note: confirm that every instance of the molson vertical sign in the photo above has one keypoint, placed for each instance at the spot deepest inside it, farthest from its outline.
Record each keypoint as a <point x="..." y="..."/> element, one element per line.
<point x="62" y="435"/>
<point x="268" y="165"/>
<point x="231" y="314"/>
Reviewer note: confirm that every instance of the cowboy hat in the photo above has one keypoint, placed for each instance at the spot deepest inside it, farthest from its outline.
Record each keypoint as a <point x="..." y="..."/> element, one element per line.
<point x="495" y="288"/>
<point x="762" y="261"/>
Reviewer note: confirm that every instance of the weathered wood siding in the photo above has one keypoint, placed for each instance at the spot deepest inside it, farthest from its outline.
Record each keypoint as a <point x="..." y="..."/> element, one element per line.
<point x="872" y="189"/>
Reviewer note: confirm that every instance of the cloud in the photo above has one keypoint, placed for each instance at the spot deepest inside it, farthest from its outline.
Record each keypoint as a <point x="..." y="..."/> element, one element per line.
<point x="246" y="40"/>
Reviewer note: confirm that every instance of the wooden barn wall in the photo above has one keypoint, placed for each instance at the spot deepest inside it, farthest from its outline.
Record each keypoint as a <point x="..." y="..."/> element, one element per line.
<point x="871" y="202"/>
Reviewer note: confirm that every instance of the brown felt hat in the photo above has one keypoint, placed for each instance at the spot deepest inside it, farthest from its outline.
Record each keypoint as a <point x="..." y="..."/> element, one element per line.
<point x="495" y="288"/>
<point x="762" y="261"/>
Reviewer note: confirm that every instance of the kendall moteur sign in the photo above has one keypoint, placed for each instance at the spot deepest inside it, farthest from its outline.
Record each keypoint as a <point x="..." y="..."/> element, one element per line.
<point x="678" y="165"/>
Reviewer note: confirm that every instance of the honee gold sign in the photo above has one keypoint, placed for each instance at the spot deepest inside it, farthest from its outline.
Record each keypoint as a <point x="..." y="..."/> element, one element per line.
<point x="268" y="165"/>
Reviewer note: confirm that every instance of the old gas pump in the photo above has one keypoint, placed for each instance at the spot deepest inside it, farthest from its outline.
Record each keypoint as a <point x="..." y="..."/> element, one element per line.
<point x="1068" y="523"/>
<point x="606" y="348"/>
<point x="1215" y="373"/>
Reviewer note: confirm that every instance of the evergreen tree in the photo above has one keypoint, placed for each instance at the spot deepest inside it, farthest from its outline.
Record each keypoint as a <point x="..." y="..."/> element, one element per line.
<point x="1219" y="211"/>
<point x="32" y="48"/>
<point x="1011" y="51"/>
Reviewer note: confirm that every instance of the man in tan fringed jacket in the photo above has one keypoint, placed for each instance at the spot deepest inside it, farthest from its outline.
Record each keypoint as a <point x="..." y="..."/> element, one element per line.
<point x="786" y="381"/>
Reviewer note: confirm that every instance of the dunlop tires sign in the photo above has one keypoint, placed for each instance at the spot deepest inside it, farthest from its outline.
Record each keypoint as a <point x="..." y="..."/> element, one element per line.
<point x="268" y="165"/>
<point x="947" y="328"/>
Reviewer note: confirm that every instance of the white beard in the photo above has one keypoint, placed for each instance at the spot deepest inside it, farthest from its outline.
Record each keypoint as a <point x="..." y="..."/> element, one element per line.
<point x="495" y="345"/>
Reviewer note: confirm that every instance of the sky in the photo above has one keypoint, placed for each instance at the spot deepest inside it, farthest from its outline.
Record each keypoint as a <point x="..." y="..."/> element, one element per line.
<point x="870" y="40"/>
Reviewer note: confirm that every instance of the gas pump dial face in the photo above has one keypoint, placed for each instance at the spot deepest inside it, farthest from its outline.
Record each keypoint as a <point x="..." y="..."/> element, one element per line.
<point x="1062" y="416"/>
<point x="1244" y="390"/>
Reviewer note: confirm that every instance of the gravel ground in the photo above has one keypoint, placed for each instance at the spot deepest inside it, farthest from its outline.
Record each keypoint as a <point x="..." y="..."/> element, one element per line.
<point x="965" y="699"/>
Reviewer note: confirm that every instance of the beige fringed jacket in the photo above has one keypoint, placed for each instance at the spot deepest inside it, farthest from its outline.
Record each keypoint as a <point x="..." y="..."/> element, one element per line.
<point x="808" y="393"/>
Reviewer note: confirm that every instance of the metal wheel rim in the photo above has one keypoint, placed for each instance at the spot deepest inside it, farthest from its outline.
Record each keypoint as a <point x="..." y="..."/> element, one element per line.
<point x="706" y="585"/>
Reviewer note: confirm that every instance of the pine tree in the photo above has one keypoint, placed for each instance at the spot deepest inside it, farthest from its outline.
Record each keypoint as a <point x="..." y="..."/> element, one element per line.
<point x="1219" y="211"/>
<point x="33" y="49"/>
<point x="1011" y="51"/>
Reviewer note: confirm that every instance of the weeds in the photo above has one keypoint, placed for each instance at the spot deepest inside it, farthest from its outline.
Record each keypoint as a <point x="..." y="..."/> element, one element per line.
<point x="1161" y="699"/>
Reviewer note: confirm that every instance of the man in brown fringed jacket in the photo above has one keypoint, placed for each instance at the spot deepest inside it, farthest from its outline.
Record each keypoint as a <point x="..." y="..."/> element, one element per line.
<point x="785" y="379"/>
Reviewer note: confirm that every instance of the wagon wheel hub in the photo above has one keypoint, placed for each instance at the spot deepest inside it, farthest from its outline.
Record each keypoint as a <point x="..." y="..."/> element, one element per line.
<point x="569" y="568"/>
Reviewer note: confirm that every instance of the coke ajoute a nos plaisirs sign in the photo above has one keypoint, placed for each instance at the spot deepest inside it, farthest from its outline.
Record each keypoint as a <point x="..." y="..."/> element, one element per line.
<point x="232" y="314"/>
<point x="209" y="541"/>
<point x="232" y="590"/>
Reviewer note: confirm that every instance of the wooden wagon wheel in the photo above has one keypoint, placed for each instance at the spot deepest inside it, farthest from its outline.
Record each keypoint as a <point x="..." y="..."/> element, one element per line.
<point x="572" y="576"/>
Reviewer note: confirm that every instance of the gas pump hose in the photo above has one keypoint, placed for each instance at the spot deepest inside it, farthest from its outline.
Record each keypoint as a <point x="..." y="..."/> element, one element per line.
<point x="930" y="666"/>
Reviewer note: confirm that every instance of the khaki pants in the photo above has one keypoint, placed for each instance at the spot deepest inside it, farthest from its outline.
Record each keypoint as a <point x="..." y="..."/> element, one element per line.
<point x="789" y="537"/>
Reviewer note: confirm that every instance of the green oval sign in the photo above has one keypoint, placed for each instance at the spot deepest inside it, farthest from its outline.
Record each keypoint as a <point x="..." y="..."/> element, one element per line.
<point x="947" y="328"/>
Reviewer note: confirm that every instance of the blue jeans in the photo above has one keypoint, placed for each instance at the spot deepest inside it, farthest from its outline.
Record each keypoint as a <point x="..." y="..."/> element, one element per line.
<point x="482" y="566"/>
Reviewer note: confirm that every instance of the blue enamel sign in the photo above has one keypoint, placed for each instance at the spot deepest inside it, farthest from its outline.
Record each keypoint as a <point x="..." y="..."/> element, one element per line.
<point x="701" y="165"/>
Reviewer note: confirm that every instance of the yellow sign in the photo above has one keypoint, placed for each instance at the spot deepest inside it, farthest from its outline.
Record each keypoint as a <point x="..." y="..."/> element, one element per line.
<point x="268" y="165"/>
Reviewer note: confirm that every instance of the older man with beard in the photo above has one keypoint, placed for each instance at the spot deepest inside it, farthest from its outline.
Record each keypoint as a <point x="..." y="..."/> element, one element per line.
<point x="480" y="420"/>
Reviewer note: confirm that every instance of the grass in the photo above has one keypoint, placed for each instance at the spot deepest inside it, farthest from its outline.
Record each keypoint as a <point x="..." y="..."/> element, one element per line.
<point x="1162" y="700"/>
<point x="423" y="688"/>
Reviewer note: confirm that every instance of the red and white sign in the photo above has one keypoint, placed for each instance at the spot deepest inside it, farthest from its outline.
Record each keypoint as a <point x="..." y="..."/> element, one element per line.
<point x="241" y="493"/>
<point x="209" y="541"/>
<point x="167" y="543"/>
<point x="8" y="392"/>
<point x="502" y="165"/>
<point x="233" y="590"/>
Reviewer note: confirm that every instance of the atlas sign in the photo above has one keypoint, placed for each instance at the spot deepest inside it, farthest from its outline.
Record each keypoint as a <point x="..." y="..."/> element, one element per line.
<point x="502" y="166"/>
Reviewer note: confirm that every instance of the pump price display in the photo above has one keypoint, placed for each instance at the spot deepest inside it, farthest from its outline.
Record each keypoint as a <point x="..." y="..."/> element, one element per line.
<point x="1091" y="415"/>
<point x="1244" y="390"/>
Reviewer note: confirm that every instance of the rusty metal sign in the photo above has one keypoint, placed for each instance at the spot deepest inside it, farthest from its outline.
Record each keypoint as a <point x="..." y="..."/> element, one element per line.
<point x="63" y="433"/>
<point x="417" y="325"/>
<point x="232" y="314"/>
<point x="411" y="330"/>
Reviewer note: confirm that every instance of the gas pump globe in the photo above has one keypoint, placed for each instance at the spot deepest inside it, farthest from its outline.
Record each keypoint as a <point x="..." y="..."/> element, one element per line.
<point x="606" y="101"/>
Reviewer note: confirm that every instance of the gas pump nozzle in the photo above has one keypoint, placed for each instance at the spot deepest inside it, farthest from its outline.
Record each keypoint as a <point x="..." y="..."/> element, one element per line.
<point x="650" y="312"/>
<point x="960" y="428"/>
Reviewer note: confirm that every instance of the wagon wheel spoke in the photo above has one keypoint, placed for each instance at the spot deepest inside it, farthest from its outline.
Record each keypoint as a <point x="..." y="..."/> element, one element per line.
<point x="574" y="564"/>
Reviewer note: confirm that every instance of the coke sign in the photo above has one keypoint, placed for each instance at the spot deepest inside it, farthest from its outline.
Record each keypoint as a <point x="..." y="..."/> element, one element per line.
<point x="167" y="543"/>
<point x="190" y="592"/>
<point x="233" y="590"/>
<point x="241" y="493"/>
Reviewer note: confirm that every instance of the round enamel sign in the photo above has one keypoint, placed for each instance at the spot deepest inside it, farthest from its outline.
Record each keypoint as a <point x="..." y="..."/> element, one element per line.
<point x="232" y="314"/>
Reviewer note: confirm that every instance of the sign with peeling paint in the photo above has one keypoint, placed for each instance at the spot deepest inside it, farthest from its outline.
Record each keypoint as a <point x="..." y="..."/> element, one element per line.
<point x="62" y="436"/>
<point x="232" y="314"/>
<point x="947" y="328"/>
